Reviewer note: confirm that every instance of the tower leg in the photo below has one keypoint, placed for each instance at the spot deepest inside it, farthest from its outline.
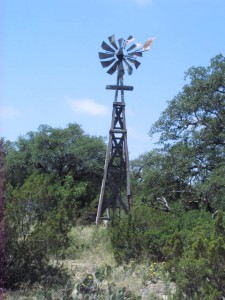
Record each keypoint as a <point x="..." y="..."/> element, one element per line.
<point x="116" y="178"/>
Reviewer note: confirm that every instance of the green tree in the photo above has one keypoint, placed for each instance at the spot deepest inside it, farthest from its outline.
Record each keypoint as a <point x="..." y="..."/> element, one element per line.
<point x="55" y="150"/>
<point x="159" y="178"/>
<point x="51" y="177"/>
<point x="192" y="129"/>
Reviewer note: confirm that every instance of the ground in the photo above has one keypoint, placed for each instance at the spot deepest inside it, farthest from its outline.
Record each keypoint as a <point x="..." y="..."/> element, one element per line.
<point x="90" y="259"/>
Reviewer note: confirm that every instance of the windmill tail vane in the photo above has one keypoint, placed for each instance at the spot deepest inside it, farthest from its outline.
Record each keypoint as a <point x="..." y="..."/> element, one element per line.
<point x="119" y="56"/>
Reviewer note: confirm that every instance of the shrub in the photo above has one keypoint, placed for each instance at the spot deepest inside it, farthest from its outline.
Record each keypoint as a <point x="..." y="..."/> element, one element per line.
<point x="143" y="233"/>
<point x="191" y="243"/>
<point x="200" y="271"/>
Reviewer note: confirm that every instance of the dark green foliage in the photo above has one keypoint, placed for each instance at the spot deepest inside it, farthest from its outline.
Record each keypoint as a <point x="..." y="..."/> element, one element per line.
<point x="199" y="268"/>
<point x="157" y="234"/>
<point x="103" y="272"/>
<point x="196" y="272"/>
<point x="63" y="152"/>
<point x="142" y="234"/>
<point x="118" y="235"/>
<point x="192" y="133"/>
<point x="51" y="177"/>
<point x="191" y="243"/>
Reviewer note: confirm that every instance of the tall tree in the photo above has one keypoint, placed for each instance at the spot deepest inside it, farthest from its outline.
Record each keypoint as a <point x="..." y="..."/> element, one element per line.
<point x="52" y="176"/>
<point x="192" y="128"/>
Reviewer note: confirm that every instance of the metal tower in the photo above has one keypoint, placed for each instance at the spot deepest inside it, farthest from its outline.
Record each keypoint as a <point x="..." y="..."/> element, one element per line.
<point x="116" y="180"/>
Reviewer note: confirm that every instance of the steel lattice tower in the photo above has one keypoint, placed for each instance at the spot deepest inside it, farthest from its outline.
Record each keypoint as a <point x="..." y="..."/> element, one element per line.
<point x="116" y="179"/>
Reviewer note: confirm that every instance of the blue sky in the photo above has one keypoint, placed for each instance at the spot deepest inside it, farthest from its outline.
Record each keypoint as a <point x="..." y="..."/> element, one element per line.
<point x="51" y="74"/>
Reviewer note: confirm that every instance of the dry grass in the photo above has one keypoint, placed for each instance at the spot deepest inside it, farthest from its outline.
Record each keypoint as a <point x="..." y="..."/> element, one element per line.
<point x="90" y="250"/>
<point x="97" y="253"/>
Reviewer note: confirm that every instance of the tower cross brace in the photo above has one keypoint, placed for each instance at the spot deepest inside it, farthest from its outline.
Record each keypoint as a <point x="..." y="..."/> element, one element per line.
<point x="116" y="178"/>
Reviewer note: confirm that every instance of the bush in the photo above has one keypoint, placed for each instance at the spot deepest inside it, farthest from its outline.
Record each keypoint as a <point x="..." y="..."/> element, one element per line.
<point x="143" y="233"/>
<point x="191" y="243"/>
<point x="200" y="271"/>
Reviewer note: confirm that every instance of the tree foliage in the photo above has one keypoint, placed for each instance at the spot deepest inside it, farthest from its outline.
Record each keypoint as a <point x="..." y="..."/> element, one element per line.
<point x="190" y="245"/>
<point x="192" y="138"/>
<point x="51" y="177"/>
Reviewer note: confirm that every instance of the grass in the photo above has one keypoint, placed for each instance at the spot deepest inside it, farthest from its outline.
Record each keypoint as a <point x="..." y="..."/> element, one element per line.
<point x="95" y="253"/>
<point x="90" y="256"/>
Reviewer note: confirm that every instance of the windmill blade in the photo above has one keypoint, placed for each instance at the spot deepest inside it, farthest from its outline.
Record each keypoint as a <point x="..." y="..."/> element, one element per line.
<point x="121" y="40"/>
<point x="107" y="47"/>
<point x="136" y="53"/>
<point x="107" y="63"/>
<point x="113" y="41"/>
<point x="147" y="44"/>
<point x="135" y="62"/>
<point x="137" y="45"/>
<point x="129" y="40"/>
<point x="129" y="68"/>
<point x="113" y="68"/>
<point x="105" y="55"/>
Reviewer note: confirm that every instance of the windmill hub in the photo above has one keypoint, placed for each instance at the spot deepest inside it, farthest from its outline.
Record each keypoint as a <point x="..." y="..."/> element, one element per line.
<point x="120" y="55"/>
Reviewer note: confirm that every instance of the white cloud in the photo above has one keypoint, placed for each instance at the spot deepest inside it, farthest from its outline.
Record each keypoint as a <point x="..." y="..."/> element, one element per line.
<point x="88" y="106"/>
<point x="8" y="112"/>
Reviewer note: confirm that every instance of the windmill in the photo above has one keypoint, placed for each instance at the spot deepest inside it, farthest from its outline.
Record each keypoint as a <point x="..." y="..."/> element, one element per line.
<point x="115" y="186"/>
